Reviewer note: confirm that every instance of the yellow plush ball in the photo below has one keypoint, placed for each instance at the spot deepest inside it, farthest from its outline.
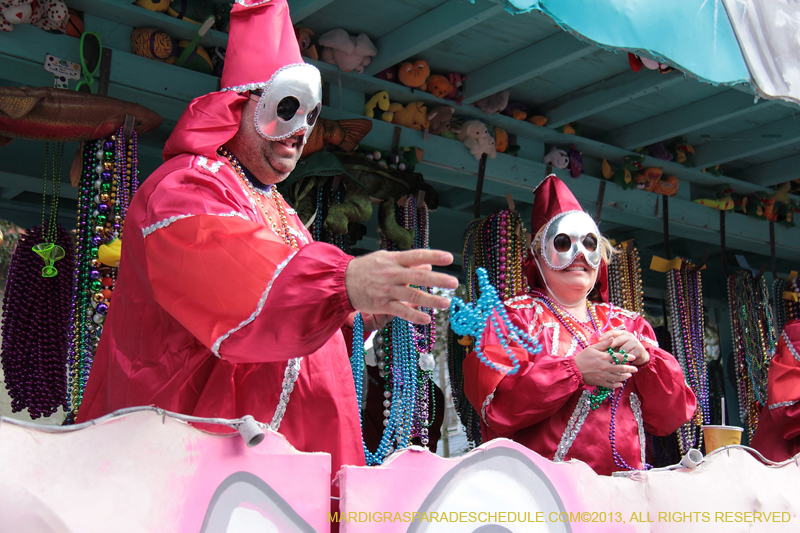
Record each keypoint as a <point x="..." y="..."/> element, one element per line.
<point x="153" y="5"/>
<point x="153" y="44"/>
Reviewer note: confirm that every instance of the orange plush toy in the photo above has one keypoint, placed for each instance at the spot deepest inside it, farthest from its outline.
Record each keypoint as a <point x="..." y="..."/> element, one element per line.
<point x="439" y="86"/>
<point x="415" y="74"/>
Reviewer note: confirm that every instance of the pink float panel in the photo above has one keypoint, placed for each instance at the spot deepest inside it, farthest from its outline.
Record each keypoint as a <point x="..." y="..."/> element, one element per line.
<point x="536" y="495"/>
<point x="144" y="472"/>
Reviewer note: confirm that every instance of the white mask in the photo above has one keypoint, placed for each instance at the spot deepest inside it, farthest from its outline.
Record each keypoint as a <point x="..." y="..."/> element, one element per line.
<point x="290" y="103"/>
<point x="567" y="235"/>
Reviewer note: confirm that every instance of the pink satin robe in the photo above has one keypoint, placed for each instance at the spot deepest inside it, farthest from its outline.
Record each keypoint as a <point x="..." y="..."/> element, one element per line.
<point x="210" y="304"/>
<point x="778" y="434"/>
<point x="534" y="405"/>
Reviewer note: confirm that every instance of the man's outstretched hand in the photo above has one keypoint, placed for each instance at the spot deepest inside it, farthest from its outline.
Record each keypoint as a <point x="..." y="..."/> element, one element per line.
<point x="379" y="283"/>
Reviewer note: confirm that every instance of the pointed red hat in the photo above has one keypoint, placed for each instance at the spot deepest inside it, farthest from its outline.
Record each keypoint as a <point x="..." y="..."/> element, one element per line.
<point x="553" y="197"/>
<point x="261" y="42"/>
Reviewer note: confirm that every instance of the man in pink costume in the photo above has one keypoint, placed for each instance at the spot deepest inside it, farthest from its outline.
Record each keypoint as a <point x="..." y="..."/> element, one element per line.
<point x="547" y="404"/>
<point x="778" y="434"/>
<point x="224" y="307"/>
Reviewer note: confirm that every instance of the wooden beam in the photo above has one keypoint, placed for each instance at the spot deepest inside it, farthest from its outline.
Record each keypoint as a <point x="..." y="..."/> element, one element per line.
<point x="300" y="9"/>
<point x="530" y="62"/>
<point x="685" y="119"/>
<point x="772" y="173"/>
<point x="749" y="142"/>
<point x="24" y="183"/>
<point x="460" y="199"/>
<point x="426" y="31"/>
<point x="607" y="94"/>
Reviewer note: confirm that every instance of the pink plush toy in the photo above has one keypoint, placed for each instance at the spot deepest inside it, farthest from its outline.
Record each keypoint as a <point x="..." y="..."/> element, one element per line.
<point x="350" y="54"/>
<point x="45" y="14"/>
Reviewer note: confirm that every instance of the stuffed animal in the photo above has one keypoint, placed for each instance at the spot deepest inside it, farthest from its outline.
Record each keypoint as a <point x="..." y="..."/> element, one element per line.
<point x="439" y="86"/>
<point x="304" y="40"/>
<point x="659" y="151"/>
<point x="350" y="54"/>
<point x="723" y="202"/>
<point x="556" y="158"/>
<point x="50" y="15"/>
<point x="153" y="44"/>
<point x="680" y="150"/>
<point x="652" y="180"/>
<point x="517" y="110"/>
<point x="475" y="136"/>
<point x="637" y="62"/>
<point x="439" y="119"/>
<point x="575" y="161"/>
<point x="222" y="12"/>
<point x="414" y="74"/>
<point x="388" y="74"/>
<point x="457" y="81"/>
<point x="414" y="115"/>
<point x="381" y="101"/>
<point x="494" y="103"/>
<point x="159" y="6"/>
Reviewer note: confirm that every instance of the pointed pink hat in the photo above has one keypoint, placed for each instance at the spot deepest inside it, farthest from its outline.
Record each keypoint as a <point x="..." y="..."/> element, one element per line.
<point x="261" y="42"/>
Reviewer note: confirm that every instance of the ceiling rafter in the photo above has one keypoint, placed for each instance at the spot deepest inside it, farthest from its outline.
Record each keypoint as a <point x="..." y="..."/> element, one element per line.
<point x="429" y="29"/>
<point x="607" y="94"/>
<point x="685" y="119"/>
<point x="772" y="173"/>
<point x="530" y="62"/>
<point x="300" y="9"/>
<point x="748" y="143"/>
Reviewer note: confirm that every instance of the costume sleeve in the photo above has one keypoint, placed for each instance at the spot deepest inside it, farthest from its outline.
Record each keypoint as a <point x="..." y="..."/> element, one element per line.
<point x="784" y="382"/>
<point x="540" y="388"/>
<point x="235" y="285"/>
<point x="667" y="401"/>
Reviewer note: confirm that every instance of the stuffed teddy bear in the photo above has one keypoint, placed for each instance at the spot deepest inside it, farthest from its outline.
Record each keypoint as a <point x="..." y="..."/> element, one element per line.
<point x="45" y="14"/>
<point x="494" y="103"/>
<point x="556" y="158"/>
<point x="439" y="119"/>
<point x="414" y="74"/>
<point x="414" y="115"/>
<point x="475" y="136"/>
<point x="350" y="54"/>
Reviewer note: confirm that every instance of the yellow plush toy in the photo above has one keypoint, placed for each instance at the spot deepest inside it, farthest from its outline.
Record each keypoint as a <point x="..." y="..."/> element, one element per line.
<point x="381" y="101"/>
<point x="414" y="115"/>
<point x="153" y="5"/>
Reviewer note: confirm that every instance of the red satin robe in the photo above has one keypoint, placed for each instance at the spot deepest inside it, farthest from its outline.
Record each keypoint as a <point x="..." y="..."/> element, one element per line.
<point x="778" y="434"/>
<point x="209" y="305"/>
<point x="534" y="406"/>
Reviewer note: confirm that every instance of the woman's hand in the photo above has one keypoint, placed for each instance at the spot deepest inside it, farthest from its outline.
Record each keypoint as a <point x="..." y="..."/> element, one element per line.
<point x="599" y="369"/>
<point x="625" y="340"/>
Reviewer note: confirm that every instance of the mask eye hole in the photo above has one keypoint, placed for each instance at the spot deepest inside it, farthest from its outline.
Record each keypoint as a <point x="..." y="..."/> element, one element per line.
<point x="590" y="242"/>
<point x="287" y="108"/>
<point x="311" y="118"/>
<point x="562" y="243"/>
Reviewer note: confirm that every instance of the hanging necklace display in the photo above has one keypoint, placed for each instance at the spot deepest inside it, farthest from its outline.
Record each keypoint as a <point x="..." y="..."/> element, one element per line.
<point x="688" y="334"/>
<point x="496" y="244"/>
<point x="327" y="195"/>
<point x="36" y="308"/>
<point x="753" y="342"/>
<point x="405" y="361"/>
<point x="786" y="298"/>
<point x="625" y="279"/>
<point x="109" y="179"/>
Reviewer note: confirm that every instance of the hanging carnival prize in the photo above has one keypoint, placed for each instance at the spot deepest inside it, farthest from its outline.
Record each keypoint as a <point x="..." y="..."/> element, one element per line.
<point x="496" y="244"/>
<point x="109" y="179"/>
<point x="625" y="279"/>
<point x="404" y="357"/>
<point x="754" y="342"/>
<point x="36" y="308"/>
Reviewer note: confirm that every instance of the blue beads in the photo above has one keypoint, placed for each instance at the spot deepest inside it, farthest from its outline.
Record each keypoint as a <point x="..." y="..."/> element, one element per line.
<point x="404" y="392"/>
<point x="471" y="319"/>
